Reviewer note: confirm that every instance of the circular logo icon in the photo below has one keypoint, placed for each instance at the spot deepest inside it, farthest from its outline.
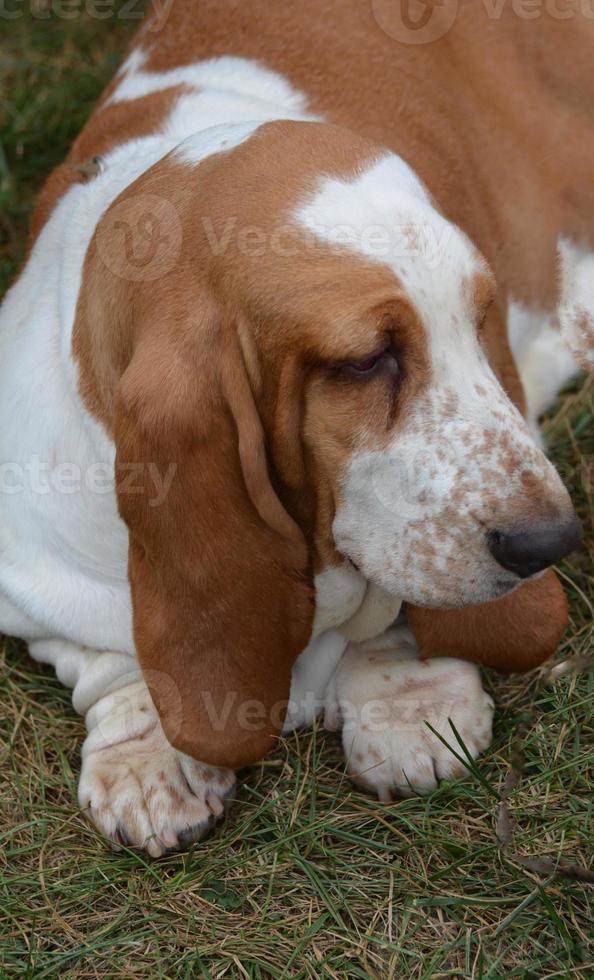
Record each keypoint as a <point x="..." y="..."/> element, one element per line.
<point x="410" y="484"/>
<point x="140" y="238"/>
<point x="415" y="21"/>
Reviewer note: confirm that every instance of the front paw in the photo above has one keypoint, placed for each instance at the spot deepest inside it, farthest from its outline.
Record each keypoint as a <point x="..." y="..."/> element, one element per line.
<point x="382" y="697"/>
<point x="142" y="793"/>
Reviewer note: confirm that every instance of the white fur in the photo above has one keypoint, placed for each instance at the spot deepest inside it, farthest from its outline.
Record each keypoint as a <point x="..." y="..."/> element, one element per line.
<point x="576" y="305"/>
<point x="311" y="675"/>
<point x="215" y="139"/>
<point x="345" y="600"/>
<point x="378" y="610"/>
<point x="340" y="590"/>
<point x="542" y="358"/>
<point x="226" y="88"/>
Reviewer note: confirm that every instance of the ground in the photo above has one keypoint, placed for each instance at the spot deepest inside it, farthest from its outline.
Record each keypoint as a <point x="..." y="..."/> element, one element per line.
<point x="307" y="877"/>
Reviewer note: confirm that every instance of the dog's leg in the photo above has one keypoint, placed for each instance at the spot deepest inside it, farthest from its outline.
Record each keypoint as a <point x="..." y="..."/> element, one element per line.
<point x="135" y="787"/>
<point x="382" y="697"/>
<point x="310" y="677"/>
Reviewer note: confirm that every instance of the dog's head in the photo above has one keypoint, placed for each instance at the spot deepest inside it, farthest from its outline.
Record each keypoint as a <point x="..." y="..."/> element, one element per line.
<point x="312" y="368"/>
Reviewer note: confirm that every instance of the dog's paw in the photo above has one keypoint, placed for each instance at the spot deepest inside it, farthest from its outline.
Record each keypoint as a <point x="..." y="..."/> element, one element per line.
<point x="382" y="697"/>
<point x="142" y="793"/>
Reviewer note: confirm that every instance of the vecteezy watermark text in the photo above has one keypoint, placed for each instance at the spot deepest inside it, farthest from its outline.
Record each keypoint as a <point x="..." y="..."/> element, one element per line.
<point x="134" y="10"/>
<point x="414" y="22"/>
<point x="426" y="241"/>
<point x="41" y="477"/>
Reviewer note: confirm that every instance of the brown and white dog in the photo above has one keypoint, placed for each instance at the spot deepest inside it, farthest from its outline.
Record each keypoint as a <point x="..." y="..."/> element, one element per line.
<point x="258" y="389"/>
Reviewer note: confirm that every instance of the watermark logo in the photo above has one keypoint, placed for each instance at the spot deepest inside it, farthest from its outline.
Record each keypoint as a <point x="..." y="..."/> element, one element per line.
<point x="140" y="238"/>
<point x="424" y="21"/>
<point x="415" y="21"/>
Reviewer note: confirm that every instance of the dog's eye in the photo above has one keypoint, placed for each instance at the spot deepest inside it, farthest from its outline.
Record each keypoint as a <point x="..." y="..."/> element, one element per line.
<point x="368" y="365"/>
<point x="371" y="366"/>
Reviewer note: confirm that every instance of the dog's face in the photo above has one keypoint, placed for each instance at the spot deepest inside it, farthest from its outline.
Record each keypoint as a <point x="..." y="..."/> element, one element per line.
<point x="420" y="468"/>
<point x="443" y="467"/>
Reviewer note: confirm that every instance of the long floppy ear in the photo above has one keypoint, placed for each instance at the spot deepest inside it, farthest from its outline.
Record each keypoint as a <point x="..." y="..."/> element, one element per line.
<point x="221" y="592"/>
<point x="512" y="634"/>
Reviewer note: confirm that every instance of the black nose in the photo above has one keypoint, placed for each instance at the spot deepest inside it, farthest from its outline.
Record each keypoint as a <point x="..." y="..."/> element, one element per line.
<point x="528" y="552"/>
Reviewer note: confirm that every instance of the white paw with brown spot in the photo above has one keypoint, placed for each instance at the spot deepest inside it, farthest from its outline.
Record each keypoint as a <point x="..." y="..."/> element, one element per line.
<point x="383" y="698"/>
<point x="142" y="793"/>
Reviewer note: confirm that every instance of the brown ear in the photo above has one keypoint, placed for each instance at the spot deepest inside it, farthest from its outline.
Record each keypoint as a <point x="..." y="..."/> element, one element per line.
<point x="222" y="601"/>
<point x="512" y="634"/>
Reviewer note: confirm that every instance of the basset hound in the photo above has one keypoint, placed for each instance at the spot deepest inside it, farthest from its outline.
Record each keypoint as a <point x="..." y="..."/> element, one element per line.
<point x="269" y="387"/>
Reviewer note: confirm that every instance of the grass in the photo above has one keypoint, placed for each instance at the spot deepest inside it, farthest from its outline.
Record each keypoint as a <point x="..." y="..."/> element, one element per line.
<point x="307" y="877"/>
